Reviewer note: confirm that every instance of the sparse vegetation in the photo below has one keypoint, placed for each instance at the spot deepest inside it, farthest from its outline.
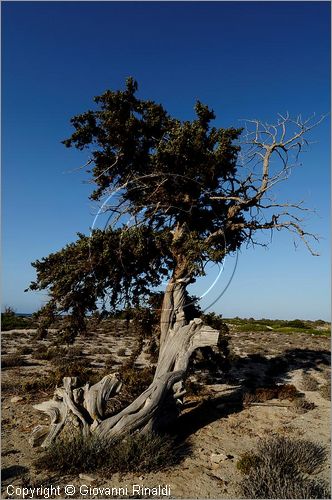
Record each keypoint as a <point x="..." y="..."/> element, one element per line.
<point x="262" y="394"/>
<point x="309" y="383"/>
<point x="135" y="453"/>
<point x="12" y="360"/>
<point x="301" y="405"/>
<point x="10" y="321"/>
<point x="282" y="326"/>
<point x="246" y="462"/>
<point x="24" y="350"/>
<point x="325" y="391"/>
<point x="279" y="468"/>
<point x="135" y="381"/>
<point x="121" y="352"/>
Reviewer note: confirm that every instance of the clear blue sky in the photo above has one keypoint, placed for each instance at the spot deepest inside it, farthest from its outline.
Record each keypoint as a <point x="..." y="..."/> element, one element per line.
<point x="244" y="59"/>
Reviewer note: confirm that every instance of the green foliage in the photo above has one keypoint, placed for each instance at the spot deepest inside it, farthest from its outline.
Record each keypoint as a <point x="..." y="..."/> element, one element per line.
<point x="135" y="453"/>
<point x="10" y="321"/>
<point x="279" y="468"/>
<point x="277" y="325"/>
<point x="165" y="166"/>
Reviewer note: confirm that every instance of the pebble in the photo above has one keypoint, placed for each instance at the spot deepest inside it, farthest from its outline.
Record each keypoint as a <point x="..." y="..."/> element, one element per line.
<point x="216" y="458"/>
<point x="16" y="399"/>
<point x="86" y="477"/>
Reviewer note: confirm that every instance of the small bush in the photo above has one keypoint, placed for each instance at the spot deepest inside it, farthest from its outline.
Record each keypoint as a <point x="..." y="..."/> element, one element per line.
<point x="309" y="383"/>
<point x="49" y="353"/>
<point x="266" y="482"/>
<point x="74" y="351"/>
<point x="301" y="405"/>
<point x="246" y="462"/>
<point x="262" y="394"/>
<point x="37" y="383"/>
<point x="281" y="468"/>
<point x="12" y="360"/>
<point x="325" y="391"/>
<point x="135" y="453"/>
<point x="109" y="363"/>
<point x="135" y="381"/>
<point x="296" y="323"/>
<point x="23" y="350"/>
<point x="65" y="367"/>
<point x="121" y="352"/>
<point x="9" y="321"/>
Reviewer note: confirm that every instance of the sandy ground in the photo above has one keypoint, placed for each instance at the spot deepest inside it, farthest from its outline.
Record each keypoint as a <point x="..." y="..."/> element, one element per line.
<point x="217" y="425"/>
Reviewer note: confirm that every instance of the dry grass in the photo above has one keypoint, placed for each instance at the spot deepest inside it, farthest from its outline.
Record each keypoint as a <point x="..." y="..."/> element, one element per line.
<point x="135" y="453"/>
<point x="280" y="468"/>
<point x="263" y="394"/>
<point x="12" y="360"/>
<point x="301" y="405"/>
<point x="325" y="391"/>
<point x="309" y="383"/>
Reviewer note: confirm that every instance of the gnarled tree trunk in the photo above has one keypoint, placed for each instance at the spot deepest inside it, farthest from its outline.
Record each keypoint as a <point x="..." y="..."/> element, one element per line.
<point x="156" y="407"/>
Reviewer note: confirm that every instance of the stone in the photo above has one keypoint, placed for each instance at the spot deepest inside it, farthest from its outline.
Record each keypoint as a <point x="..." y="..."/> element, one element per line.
<point x="216" y="458"/>
<point x="16" y="399"/>
<point x="88" y="478"/>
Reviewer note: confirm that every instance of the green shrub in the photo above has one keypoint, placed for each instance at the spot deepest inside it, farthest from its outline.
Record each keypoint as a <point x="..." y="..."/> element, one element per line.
<point x="135" y="453"/>
<point x="36" y="383"/>
<point x="281" y="467"/>
<point x="295" y="323"/>
<point x="10" y="321"/>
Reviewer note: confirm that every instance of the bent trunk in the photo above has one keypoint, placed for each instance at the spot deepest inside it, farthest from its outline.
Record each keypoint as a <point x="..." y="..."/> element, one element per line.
<point x="156" y="407"/>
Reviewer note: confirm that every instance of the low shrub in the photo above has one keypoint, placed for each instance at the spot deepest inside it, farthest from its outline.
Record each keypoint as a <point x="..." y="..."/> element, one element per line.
<point x="67" y="367"/>
<point x="301" y="405"/>
<point x="246" y="462"/>
<point x="49" y="353"/>
<point x="12" y="360"/>
<point x="279" y="468"/>
<point x="23" y="350"/>
<point x="325" y="391"/>
<point x="135" y="381"/>
<point x="262" y="394"/>
<point x="36" y="383"/>
<point x="309" y="383"/>
<point x="10" y="321"/>
<point x="296" y="323"/>
<point x="121" y="352"/>
<point x="134" y="453"/>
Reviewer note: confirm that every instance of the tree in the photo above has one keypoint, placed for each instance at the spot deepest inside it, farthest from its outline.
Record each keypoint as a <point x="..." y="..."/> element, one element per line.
<point x="179" y="194"/>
